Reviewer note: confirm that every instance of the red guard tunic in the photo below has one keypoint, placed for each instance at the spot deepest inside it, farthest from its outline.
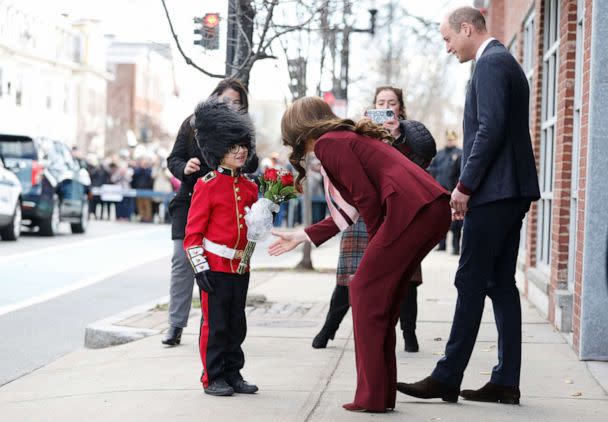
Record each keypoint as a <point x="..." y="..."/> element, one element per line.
<point x="217" y="213"/>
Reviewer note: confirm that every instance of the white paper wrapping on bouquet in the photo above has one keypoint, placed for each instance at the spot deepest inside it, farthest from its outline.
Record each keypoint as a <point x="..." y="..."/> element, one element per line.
<point x="259" y="219"/>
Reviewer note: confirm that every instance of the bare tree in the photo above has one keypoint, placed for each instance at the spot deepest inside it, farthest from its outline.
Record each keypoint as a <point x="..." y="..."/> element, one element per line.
<point x="253" y="30"/>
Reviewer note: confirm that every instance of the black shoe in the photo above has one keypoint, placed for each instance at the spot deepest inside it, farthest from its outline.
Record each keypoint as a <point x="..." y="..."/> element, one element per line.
<point x="219" y="387"/>
<point x="243" y="387"/>
<point x="493" y="393"/>
<point x="429" y="388"/>
<point x="411" y="342"/>
<point x="321" y="339"/>
<point x="173" y="337"/>
<point x="440" y="248"/>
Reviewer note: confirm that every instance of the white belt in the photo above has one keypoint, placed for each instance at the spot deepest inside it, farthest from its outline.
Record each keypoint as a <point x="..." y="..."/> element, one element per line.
<point x="222" y="250"/>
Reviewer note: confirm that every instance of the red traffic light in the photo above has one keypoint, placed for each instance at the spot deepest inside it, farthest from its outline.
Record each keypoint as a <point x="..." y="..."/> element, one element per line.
<point x="211" y="20"/>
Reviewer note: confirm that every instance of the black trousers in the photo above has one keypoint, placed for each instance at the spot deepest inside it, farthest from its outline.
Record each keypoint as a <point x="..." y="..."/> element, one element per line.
<point x="456" y="229"/>
<point x="223" y="326"/>
<point x="487" y="268"/>
<point x="339" y="304"/>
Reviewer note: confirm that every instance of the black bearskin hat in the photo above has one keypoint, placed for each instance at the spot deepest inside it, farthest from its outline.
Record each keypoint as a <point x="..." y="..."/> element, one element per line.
<point x="418" y="144"/>
<point x="218" y="127"/>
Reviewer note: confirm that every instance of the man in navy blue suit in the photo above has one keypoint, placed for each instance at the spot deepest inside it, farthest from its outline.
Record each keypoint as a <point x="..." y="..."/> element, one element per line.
<point x="498" y="182"/>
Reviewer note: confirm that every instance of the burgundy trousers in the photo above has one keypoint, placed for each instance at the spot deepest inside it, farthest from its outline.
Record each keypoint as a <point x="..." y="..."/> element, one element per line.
<point x="376" y="291"/>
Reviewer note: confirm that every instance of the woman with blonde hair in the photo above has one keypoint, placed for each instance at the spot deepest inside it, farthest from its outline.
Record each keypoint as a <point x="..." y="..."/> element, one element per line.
<point x="406" y="213"/>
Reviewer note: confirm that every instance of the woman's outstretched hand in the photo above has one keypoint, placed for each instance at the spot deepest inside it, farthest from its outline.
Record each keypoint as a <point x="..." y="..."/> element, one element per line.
<point x="286" y="241"/>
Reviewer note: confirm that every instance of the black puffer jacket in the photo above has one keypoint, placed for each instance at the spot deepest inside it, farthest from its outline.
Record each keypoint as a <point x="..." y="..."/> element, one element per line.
<point x="184" y="149"/>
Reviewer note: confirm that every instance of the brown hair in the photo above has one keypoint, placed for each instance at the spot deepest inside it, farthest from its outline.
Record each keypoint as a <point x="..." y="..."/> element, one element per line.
<point x="235" y="84"/>
<point x="467" y="14"/>
<point x="310" y="118"/>
<point x="399" y="93"/>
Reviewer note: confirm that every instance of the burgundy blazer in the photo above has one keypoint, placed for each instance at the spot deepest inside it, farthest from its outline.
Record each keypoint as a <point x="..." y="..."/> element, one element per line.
<point x="376" y="179"/>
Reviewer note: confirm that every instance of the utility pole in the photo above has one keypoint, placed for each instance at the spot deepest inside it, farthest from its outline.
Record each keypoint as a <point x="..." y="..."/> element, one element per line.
<point x="232" y="36"/>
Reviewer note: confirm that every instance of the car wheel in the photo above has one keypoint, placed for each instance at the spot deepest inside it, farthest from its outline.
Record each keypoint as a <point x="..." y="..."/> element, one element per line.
<point x="13" y="230"/>
<point x="81" y="226"/>
<point x="50" y="226"/>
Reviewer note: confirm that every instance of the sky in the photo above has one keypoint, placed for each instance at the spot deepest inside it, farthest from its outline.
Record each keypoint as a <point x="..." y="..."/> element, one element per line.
<point x="144" y="20"/>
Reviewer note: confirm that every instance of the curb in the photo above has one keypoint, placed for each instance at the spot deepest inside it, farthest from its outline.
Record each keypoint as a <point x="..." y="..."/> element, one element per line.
<point x="104" y="333"/>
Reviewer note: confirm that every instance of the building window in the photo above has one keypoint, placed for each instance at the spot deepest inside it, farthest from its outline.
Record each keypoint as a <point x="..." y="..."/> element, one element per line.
<point x="18" y="97"/>
<point x="528" y="47"/>
<point x="1" y="83"/>
<point x="527" y="65"/>
<point x="547" y="136"/>
<point x="576" y="138"/>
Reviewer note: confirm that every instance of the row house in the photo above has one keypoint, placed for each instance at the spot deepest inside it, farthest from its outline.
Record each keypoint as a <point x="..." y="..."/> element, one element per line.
<point x="53" y="80"/>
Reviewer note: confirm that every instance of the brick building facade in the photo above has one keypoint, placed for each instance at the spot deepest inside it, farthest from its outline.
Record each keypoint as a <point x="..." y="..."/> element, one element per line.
<point x="138" y="94"/>
<point x="563" y="256"/>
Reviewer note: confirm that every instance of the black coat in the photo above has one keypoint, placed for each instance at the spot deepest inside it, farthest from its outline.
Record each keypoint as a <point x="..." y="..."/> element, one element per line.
<point x="184" y="149"/>
<point x="142" y="178"/>
<point x="497" y="161"/>
<point x="445" y="167"/>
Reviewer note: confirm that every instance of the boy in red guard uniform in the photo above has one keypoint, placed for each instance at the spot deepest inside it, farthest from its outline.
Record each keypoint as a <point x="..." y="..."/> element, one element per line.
<point x="216" y="235"/>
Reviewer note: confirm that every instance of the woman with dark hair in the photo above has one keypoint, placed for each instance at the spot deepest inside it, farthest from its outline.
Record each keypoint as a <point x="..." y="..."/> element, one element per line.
<point x="354" y="238"/>
<point x="186" y="163"/>
<point x="406" y="213"/>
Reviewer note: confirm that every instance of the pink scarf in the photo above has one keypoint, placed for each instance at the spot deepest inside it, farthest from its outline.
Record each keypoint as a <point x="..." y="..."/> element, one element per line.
<point x="345" y="211"/>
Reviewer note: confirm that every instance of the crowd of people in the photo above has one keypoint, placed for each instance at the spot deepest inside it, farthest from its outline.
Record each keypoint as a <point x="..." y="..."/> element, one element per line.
<point x="141" y="186"/>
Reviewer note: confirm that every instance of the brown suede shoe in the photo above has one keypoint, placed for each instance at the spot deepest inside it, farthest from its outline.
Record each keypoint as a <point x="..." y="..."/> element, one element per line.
<point x="429" y="388"/>
<point x="493" y="393"/>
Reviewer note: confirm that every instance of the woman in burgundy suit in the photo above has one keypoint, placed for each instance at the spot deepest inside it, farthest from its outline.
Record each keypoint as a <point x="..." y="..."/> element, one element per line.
<point x="406" y="213"/>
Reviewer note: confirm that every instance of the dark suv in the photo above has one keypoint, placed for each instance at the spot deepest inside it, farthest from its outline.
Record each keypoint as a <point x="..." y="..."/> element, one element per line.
<point x="55" y="186"/>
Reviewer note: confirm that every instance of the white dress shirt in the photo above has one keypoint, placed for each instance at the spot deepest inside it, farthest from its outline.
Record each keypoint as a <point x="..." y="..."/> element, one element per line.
<point x="482" y="47"/>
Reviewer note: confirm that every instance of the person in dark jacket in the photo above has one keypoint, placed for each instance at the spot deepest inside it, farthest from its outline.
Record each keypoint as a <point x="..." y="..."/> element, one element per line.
<point x="445" y="168"/>
<point x="142" y="180"/>
<point x="99" y="177"/>
<point x="186" y="163"/>
<point x="497" y="184"/>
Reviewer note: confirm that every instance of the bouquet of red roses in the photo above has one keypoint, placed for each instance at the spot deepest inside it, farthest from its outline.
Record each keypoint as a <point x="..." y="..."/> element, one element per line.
<point x="276" y="186"/>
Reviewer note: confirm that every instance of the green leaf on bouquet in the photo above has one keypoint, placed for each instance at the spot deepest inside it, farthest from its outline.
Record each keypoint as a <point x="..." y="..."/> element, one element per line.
<point x="288" y="192"/>
<point x="274" y="190"/>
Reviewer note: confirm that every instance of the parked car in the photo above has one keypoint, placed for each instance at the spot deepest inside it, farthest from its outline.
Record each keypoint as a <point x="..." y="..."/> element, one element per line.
<point x="10" y="204"/>
<point x="55" y="186"/>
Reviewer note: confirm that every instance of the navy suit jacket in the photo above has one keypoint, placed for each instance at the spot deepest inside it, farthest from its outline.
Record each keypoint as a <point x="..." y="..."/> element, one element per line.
<point x="497" y="161"/>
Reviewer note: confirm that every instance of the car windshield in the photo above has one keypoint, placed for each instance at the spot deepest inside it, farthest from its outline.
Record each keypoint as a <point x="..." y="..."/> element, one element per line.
<point x="17" y="147"/>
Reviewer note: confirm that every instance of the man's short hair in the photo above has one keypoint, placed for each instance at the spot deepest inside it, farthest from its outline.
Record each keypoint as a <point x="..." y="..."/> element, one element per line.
<point x="468" y="15"/>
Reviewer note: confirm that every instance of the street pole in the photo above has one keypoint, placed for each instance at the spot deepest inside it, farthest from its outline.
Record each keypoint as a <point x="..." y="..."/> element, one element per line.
<point x="342" y="91"/>
<point x="231" y="38"/>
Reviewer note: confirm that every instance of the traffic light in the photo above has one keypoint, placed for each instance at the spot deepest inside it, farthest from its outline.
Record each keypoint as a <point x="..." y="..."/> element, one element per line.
<point x="209" y="31"/>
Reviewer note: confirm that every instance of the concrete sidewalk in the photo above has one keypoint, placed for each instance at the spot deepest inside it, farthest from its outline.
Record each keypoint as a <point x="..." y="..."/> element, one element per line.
<point x="143" y="381"/>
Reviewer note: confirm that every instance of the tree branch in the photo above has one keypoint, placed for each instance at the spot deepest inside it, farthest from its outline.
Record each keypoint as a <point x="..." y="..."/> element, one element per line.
<point x="179" y="47"/>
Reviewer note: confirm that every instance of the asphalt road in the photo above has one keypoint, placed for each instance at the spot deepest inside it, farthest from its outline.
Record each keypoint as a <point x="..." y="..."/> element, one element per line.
<point x="52" y="288"/>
